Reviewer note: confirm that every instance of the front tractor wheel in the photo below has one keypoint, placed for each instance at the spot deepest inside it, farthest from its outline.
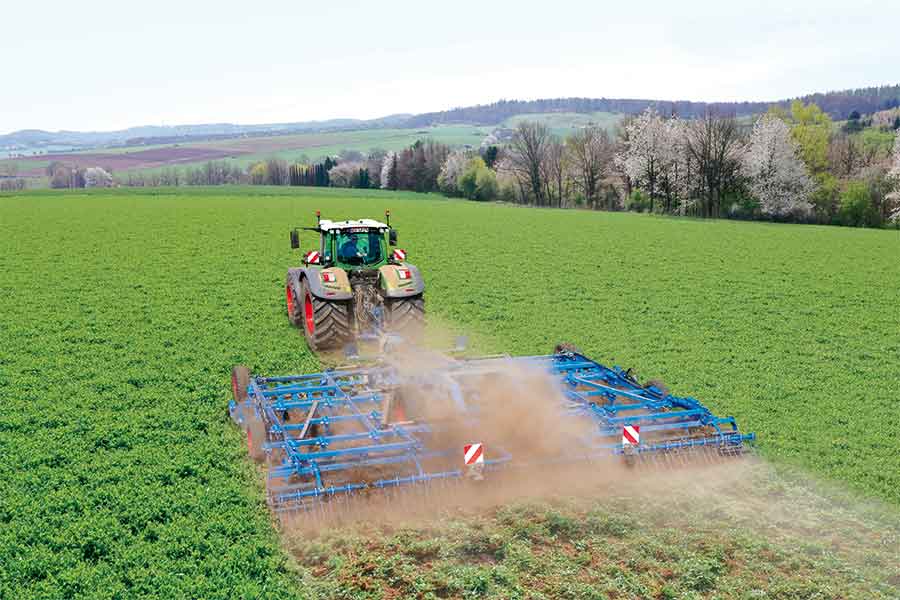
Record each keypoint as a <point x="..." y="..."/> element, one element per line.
<point x="326" y="324"/>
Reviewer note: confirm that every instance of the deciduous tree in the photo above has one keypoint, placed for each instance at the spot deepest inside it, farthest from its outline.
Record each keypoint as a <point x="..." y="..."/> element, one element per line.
<point x="713" y="147"/>
<point x="346" y="174"/>
<point x="97" y="177"/>
<point x="778" y="177"/>
<point x="388" y="164"/>
<point x="895" y="175"/>
<point x="527" y="153"/>
<point x="452" y="171"/>
<point x="591" y="154"/>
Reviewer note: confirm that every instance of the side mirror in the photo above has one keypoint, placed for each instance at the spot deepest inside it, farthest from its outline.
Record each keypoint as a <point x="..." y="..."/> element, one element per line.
<point x="392" y="237"/>
<point x="295" y="239"/>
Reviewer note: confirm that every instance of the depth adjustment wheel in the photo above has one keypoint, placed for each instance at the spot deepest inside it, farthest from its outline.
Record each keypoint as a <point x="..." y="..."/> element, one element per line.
<point x="293" y="309"/>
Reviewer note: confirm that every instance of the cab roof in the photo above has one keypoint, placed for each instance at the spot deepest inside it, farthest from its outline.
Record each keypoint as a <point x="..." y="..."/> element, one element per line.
<point x="326" y="225"/>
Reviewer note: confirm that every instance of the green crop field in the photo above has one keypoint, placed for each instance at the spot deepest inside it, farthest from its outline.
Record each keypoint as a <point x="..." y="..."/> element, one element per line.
<point x="562" y="124"/>
<point x="122" y="477"/>
<point x="316" y="146"/>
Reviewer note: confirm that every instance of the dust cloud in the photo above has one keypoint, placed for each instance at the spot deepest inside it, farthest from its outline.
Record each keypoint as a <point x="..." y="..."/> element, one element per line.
<point x="520" y="410"/>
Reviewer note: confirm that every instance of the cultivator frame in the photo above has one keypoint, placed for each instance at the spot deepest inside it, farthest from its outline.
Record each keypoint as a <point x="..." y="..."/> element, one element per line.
<point x="344" y="432"/>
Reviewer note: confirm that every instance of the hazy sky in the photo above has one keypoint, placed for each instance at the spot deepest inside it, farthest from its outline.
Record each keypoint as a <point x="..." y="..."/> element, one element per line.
<point x="100" y="65"/>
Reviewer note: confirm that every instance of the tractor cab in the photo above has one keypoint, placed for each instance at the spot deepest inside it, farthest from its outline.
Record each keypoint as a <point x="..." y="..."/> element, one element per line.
<point x="354" y="244"/>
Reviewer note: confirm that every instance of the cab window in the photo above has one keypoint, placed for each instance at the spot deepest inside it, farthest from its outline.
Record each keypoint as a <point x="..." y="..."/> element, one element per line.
<point x="359" y="248"/>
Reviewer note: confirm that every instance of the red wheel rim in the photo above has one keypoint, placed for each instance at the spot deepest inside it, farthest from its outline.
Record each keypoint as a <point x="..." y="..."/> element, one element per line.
<point x="289" y="296"/>
<point x="308" y="313"/>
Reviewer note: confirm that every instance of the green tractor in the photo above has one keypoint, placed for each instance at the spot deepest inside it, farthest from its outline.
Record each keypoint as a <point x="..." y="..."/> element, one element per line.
<point x="353" y="286"/>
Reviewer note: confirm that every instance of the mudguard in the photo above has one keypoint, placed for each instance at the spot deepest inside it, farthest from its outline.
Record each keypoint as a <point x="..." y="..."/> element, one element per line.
<point x="338" y="290"/>
<point x="394" y="287"/>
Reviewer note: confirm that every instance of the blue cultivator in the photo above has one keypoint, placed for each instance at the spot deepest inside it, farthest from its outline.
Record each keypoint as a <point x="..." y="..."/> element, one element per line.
<point x="352" y="431"/>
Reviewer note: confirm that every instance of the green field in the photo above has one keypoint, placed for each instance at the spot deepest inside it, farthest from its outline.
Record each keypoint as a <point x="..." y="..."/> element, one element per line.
<point x="316" y="146"/>
<point x="562" y="124"/>
<point x="124" y="310"/>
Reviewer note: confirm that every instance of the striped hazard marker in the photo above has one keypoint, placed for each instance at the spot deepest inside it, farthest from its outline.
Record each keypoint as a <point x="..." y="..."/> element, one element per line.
<point x="631" y="435"/>
<point x="473" y="454"/>
<point x="399" y="254"/>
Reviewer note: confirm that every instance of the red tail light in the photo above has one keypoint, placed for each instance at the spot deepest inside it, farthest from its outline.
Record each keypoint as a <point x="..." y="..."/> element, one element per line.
<point x="329" y="277"/>
<point x="404" y="274"/>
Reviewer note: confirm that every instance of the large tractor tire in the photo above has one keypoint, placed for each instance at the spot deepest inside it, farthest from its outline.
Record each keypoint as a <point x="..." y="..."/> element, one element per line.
<point x="406" y="317"/>
<point x="326" y="324"/>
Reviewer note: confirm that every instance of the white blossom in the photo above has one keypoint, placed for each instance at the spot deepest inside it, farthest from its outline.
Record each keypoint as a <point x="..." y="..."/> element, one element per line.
<point x="386" y="165"/>
<point x="448" y="178"/>
<point x="654" y="157"/>
<point x="895" y="175"/>
<point x="645" y="153"/>
<point x="97" y="177"/>
<point x="778" y="176"/>
<point x="345" y="174"/>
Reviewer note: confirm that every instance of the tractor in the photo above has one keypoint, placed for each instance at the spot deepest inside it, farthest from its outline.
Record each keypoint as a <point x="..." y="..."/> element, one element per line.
<point x="355" y="284"/>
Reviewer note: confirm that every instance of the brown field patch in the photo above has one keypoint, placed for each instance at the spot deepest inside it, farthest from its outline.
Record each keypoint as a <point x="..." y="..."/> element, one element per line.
<point x="140" y="159"/>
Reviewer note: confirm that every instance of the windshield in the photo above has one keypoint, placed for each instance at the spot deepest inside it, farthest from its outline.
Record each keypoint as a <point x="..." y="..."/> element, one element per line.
<point x="359" y="248"/>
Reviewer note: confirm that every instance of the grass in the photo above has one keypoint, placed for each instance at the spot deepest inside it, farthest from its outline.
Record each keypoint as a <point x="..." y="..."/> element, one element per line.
<point x="562" y="124"/>
<point x="123" y="311"/>
<point x="318" y="146"/>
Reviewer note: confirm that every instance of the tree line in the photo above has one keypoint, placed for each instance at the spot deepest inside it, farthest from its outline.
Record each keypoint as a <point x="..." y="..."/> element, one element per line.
<point x="838" y="104"/>
<point x="790" y="164"/>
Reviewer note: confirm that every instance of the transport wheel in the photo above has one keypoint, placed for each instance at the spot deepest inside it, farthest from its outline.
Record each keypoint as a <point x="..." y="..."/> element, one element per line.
<point x="405" y="317"/>
<point x="293" y="308"/>
<point x="326" y="324"/>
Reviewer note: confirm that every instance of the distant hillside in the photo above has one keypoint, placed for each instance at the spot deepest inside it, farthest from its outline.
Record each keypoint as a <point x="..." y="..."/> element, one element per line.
<point x="32" y="139"/>
<point x="837" y="104"/>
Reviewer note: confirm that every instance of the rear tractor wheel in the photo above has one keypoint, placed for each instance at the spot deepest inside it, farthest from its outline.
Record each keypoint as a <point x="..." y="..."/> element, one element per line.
<point x="326" y="324"/>
<point x="406" y="317"/>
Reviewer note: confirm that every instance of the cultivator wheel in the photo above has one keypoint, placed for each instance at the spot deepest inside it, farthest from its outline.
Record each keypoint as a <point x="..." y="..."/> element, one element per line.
<point x="326" y="324"/>
<point x="245" y="414"/>
<point x="240" y="379"/>
<point x="294" y="310"/>
<point x="406" y="316"/>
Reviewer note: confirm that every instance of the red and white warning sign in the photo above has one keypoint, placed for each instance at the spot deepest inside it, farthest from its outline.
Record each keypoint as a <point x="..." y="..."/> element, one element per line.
<point x="631" y="435"/>
<point x="399" y="254"/>
<point x="474" y="454"/>
<point x="312" y="257"/>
